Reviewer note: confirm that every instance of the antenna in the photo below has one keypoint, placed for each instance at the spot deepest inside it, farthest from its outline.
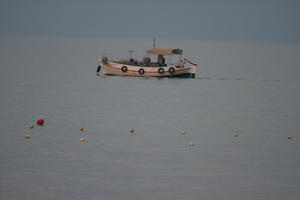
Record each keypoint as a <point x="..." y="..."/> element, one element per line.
<point x="130" y="53"/>
<point x="153" y="43"/>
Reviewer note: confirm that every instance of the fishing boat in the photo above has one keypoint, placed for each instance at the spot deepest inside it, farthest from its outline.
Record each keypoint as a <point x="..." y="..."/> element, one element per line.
<point x="146" y="68"/>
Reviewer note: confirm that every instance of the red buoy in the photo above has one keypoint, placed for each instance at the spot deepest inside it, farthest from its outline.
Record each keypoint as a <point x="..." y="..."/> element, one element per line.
<point x="40" y="122"/>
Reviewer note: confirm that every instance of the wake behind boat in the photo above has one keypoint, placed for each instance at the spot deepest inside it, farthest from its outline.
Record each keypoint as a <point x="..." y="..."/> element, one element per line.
<point x="147" y="68"/>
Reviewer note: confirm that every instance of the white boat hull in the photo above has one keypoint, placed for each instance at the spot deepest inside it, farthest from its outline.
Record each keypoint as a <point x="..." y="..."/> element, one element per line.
<point x="111" y="68"/>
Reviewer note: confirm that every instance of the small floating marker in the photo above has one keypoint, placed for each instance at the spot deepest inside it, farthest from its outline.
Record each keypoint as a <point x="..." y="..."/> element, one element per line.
<point x="191" y="144"/>
<point x="82" y="139"/>
<point x="31" y="126"/>
<point x="183" y="132"/>
<point x="235" y="135"/>
<point x="290" y="137"/>
<point x="27" y="136"/>
<point x="40" y="122"/>
<point x="81" y="129"/>
<point x="132" y="131"/>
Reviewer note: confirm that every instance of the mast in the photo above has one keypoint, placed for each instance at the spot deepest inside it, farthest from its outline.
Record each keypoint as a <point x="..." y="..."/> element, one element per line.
<point x="154" y="43"/>
<point x="130" y="53"/>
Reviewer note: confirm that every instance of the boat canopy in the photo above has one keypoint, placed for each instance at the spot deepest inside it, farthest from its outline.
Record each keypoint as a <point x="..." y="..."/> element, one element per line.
<point x="165" y="51"/>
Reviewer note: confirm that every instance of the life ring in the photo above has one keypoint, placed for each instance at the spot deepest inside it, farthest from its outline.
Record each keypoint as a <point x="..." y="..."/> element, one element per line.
<point x="171" y="70"/>
<point x="181" y="63"/>
<point x="124" y="69"/>
<point x="146" y="61"/>
<point x="141" y="71"/>
<point x="104" y="60"/>
<point x="161" y="70"/>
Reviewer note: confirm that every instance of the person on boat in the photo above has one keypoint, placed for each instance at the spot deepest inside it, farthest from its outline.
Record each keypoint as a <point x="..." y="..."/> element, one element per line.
<point x="161" y="60"/>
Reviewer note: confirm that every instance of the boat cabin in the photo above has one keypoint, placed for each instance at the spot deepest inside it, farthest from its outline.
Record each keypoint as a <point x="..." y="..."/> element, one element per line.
<point x="160" y="62"/>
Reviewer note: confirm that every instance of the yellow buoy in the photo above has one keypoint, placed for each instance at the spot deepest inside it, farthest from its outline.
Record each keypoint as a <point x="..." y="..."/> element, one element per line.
<point x="183" y="132"/>
<point x="235" y="134"/>
<point x="31" y="126"/>
<point x="191" y="144"/>
<point x="290" y="137"/>
<point x="132" y="131"/>
<point x="82" y="139"/>
<point x="27" y="136"/>
<point x="81" y="129"/>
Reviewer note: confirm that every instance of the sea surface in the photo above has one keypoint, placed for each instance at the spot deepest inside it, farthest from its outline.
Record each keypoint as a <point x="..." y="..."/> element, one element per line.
<point x="252" y="89"/>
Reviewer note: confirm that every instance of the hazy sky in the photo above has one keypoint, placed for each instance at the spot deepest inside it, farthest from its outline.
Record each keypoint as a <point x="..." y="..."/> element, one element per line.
<point x="237" y="20"/>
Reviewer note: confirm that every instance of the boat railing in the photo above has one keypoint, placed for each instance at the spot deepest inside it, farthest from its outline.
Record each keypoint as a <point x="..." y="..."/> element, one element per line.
<point x="140" y="63"/>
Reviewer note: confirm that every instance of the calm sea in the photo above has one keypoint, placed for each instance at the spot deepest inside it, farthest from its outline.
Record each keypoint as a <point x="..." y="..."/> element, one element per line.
<point x="248" y="88"/>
